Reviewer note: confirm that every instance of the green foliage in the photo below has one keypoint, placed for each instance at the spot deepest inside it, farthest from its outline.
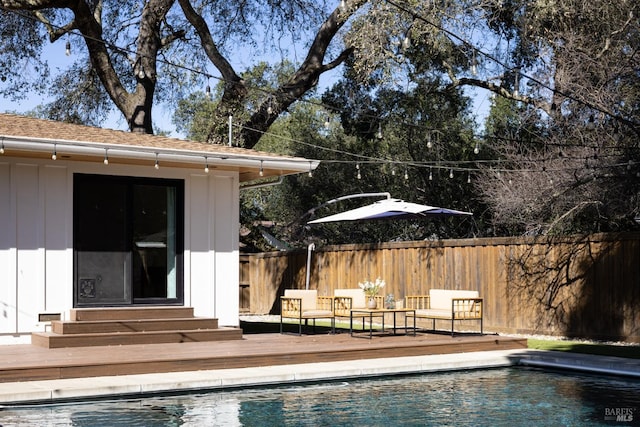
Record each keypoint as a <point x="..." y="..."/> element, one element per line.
<point x="21" y="67"/>
<point x="595" y="348"/>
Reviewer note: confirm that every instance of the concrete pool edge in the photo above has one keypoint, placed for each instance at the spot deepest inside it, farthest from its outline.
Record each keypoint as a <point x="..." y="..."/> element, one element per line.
<point x="141" y="385"/>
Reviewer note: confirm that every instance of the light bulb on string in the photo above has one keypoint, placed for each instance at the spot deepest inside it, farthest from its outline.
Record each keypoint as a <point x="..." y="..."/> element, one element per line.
<point x="141" y="74"/>
<point x="430" y="174"/>
<point x="406" y="175"/>
<point x="310" y="171"/>
<point x="261" y="169"/>
<point x="207" y="91"/>
<point x="468" y="177"/>
<point x="157" y="165"/>
<point x="358" y="175"/>
<point x="474" y="64"/>
<point x="379" y="133"/>
<point x="406" y="42"/>
<point x="476" y="149"/>
<point x="327" y="122"/>
<point x="451" y="173"/>
<point x="67" y="48"/>
<point x="54" y="156"/>
<point x="2" y="146"/>
<point x="106" y="157"/>
<point x="429" y="143"/>
<point x="206" y="164"/>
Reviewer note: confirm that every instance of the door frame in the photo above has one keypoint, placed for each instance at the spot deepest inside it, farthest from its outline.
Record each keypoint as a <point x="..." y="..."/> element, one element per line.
<point x="130" y="182"/>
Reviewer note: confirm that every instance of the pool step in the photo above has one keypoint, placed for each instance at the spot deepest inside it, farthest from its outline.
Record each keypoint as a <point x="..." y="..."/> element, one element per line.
<point x="125" y="326"/>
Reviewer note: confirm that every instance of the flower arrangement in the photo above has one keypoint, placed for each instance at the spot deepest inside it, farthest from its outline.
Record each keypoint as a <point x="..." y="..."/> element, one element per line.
<point x="372" y="288"/>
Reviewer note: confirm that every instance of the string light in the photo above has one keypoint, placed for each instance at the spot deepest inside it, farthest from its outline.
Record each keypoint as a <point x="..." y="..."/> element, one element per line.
<point x="2" y="146"/>
<point x="416" y="16"/>
<point x="344" y="5"/>
<point x="67" y="48"/>
<point x="54" y="156"/>
<point x="310" y="170"/>
<point x="206" y="164"/>
<point x="141" y="74"/>
<point x="429" y="143"/>
<point x="358" y="175"/>
<point x="468" y="177"/>
<point x="474" y="64"/>
<point x="157" y="165"/>
<point x="406" y="175"/>
<point x="406" y="43"/>
<point x="451" y="173"/>
<point x="379" y="133"/>
<point x="327" y="122"/>
<point x="207" y="91"/>
<point x="476" y="149"/>
<point x="261" y="169"/>
<point x="106" y="157"/>
<point x="430" y="174"/>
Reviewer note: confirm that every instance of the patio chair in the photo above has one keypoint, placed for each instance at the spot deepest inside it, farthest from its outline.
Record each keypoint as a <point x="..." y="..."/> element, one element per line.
<point x="348" y="299"/>
<point x="305" y="304"/>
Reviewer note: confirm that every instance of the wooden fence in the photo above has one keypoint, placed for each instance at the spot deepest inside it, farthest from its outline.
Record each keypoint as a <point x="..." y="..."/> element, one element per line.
<point x="579" y="287"/>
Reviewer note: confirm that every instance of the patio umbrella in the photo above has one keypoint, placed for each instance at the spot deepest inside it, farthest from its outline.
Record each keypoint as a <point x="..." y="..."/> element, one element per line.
<point x="389" y="209"/>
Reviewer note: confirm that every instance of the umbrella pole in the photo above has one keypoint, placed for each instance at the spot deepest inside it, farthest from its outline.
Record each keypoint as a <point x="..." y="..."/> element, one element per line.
<point x="310" y="249"/>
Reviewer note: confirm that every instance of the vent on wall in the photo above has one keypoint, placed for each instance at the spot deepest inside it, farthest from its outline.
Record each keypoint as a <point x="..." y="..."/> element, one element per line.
<point x="48" y="317"/>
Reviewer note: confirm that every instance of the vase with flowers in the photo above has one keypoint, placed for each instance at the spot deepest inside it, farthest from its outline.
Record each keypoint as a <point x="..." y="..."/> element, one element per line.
<point x="371" y="289"/>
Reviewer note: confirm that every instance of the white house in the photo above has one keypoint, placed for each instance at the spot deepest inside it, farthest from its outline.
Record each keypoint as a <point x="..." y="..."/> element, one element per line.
<point x="93" y="217"/>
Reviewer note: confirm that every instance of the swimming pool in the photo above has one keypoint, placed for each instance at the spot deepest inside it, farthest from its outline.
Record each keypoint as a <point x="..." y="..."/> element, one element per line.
<point x="494" y="397"/>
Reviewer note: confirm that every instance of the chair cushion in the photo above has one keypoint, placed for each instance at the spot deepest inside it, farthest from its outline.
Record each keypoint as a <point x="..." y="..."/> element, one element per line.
<point x="442" y="314"/>
<point x="317" y="313"/>
<point x="358" y="298"/>
<point x="309" y="297"/>
<point x="440" y="299"/>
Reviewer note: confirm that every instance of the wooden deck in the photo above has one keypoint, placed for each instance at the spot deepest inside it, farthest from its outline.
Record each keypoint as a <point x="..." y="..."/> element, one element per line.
<point x="30" y="362"/>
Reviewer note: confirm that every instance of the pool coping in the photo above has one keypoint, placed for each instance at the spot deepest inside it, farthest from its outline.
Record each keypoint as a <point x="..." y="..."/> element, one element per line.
<point x="141" y="385"/>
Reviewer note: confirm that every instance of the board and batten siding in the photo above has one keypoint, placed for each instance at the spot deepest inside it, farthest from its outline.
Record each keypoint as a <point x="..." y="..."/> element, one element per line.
<point x="36" y="239"/>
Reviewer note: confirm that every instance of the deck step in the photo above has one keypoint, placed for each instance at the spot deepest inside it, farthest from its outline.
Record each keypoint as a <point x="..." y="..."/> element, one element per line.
<point x="90" y="327"/>
<point x="129" y="313"/>
<point x="53" y="340"/>
<point x="135" y="325"/>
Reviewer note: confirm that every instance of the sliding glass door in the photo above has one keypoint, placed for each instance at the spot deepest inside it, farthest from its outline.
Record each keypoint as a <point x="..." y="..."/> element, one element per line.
<point x="128" y="240"/>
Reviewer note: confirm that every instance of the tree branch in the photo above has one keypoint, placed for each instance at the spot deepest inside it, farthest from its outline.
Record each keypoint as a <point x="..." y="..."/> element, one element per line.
<point x="55" y="32"/>
<point x="206" y="40"/>
<point x="305" y="78"/>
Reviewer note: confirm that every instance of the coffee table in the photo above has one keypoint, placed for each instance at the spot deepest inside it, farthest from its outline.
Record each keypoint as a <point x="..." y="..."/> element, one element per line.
<point x="380" y="312"/>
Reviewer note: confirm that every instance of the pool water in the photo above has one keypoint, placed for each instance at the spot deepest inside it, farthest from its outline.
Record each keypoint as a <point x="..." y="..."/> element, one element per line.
<point x="495" y="397"/>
